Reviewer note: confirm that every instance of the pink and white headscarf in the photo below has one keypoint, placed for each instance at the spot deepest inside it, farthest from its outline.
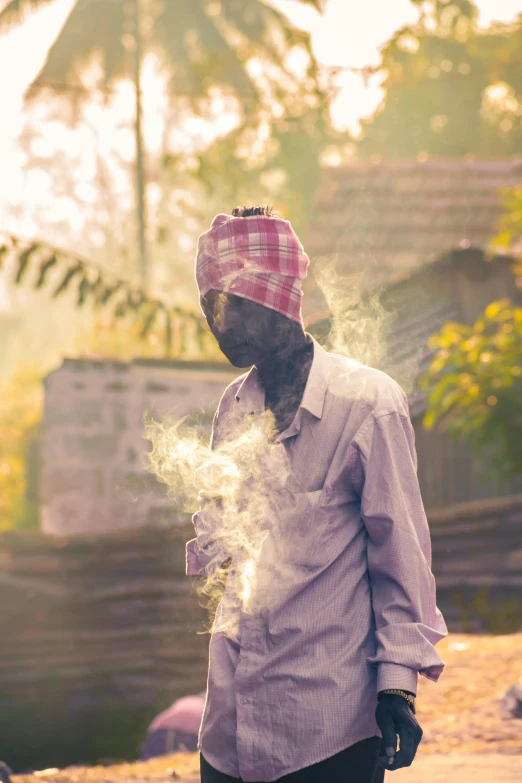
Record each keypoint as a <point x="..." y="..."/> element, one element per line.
<point x="256" y="257"/>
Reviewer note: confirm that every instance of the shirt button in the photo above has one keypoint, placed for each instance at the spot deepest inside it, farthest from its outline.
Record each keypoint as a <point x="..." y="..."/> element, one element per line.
<point x="243" y="700"/>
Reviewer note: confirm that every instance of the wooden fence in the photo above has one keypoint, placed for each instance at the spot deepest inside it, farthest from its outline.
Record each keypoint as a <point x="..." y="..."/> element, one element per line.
<point x="100" y="633"/>
<point x="477" y="563"/>
<point x="95" y="631"/>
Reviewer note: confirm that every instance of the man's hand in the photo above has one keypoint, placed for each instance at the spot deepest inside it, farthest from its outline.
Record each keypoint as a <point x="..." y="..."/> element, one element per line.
<point x="395" y="716"/>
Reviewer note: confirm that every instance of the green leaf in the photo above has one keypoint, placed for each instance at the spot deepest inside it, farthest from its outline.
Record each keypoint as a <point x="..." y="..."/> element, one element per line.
<point x="69" y="275"/>
<point x="107" y="292"/>
<point x="23" y="261"/>
<point x="149" y="321"/>
<point x="44" y="268"/>
<point x="168" y="332"/>
<point x="83" y="290"/>
<point x="4" y="250"/>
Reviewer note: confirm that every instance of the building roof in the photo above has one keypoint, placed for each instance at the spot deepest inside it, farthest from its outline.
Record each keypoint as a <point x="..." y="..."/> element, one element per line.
<point x="392" y="216"/>
<point x="408" y="355"/>
<point x="397" y="221"/>
<point x="420" y="307"/>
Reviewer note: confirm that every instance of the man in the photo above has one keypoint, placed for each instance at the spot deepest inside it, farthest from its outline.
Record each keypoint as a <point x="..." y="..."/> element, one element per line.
<point x="317" y="688"/>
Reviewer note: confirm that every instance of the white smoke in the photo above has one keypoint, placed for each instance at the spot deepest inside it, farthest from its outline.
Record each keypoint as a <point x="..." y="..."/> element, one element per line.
<point x="250" y="514"/>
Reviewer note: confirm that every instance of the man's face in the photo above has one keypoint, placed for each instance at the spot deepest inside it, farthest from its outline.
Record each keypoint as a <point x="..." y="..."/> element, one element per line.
<point x="246" y="332"/>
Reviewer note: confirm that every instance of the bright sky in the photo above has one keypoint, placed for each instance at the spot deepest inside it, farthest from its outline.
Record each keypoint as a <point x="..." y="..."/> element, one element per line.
<point x="348" y="34"/>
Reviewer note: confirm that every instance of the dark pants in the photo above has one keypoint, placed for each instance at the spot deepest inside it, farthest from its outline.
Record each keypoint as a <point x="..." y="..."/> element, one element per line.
<point x="356" y="764"/>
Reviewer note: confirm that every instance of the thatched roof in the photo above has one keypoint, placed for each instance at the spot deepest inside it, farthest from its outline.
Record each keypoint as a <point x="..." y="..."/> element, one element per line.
<point x="391" y="217"/>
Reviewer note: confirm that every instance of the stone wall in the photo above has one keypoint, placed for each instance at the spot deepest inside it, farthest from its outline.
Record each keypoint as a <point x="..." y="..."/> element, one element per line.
<point x="93" y="446"/>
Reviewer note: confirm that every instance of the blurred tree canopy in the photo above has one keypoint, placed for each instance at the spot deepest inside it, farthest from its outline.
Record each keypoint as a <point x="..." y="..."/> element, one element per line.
<point x="450" y="89"/>
<point x="475" y="378"/>
<point x="243" y="115"/>
<point x="243" y="51"/>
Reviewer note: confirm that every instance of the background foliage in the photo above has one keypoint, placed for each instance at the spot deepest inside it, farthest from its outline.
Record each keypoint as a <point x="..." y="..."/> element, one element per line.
<point x="238" y="112"/>
<point x="475" y="383"/>
<point x="20" y="418"/>
<point x="451" y="89"/>
<point x="475" y="379"/>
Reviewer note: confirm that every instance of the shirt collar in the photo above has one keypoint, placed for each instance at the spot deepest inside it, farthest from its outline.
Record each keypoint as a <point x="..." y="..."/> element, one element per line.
<point x="252" y="391"/>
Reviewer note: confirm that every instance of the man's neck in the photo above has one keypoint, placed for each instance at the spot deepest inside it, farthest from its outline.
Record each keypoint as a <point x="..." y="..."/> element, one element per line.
<point x="287" y="369"/>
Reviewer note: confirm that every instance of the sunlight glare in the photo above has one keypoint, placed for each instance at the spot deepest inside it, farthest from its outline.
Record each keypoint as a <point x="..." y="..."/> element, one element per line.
<point x="86" y="192"/>
<point x="155" y="84"/>
<point x="38" y="183"/>
<point x="63" y="209"/>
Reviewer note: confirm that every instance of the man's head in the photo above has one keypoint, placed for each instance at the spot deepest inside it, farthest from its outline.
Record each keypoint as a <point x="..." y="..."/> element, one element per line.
<point x="249" y="268"/>
<point x="248" y="333"/>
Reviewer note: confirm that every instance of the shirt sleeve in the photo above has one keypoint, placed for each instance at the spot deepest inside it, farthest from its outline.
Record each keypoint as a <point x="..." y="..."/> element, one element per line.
<point x="408" y="622"/>
<point x="204" y="552"/>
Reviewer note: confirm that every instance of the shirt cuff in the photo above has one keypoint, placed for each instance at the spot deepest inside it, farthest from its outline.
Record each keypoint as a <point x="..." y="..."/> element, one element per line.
<point x="393" y="675"/>
<point x="192" y="564"/>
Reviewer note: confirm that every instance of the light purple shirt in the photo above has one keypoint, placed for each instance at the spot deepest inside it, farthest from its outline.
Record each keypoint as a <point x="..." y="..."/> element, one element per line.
<point x="358" y="614"/>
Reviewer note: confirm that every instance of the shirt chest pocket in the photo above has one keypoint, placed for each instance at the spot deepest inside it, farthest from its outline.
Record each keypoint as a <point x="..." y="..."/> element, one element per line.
<point x="298" y="533"/>
<point x="314" y="529"/>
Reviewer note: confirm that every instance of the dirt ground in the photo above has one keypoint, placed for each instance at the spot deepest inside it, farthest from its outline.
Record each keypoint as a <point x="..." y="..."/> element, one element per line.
<point x="465" y="739"/>
<point x="184" y="768"/>
<point x="456" y="768"/>
<point x="460" y="712"/>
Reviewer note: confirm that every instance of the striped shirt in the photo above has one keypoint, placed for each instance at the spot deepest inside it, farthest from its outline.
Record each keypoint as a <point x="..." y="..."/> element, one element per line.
<point x="356" y="611"/>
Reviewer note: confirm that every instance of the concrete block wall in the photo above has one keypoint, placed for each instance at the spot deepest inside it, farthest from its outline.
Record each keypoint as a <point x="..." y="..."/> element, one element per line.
<point x="92" y="478"/>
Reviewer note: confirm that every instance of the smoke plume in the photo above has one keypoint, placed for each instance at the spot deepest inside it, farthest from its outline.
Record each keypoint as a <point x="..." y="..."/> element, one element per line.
<point x="250" y="512"/>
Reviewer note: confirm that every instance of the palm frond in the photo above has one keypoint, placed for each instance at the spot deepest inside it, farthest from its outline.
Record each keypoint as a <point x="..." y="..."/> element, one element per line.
<point x="4" y="251"/>
<point x="270" y="33"/>
<point x="23" y="261"/>
<point x="16" y="12"/>
<point x="198" y="52"/>
<point x="188" y="33"/>
<point x="47" y="264"/>
<point x="93" y="283"/>
<point x="317" y="4"/>
<point x="149" y="319"/>
<point x="72" y="271"/>
<point x="91" y="29"/>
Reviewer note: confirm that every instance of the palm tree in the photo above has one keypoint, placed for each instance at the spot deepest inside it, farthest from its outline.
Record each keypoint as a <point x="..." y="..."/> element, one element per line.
<point x="207" y="44"/>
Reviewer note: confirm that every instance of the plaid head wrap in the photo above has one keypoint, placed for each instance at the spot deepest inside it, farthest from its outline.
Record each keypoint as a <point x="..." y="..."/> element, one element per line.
<point x="256" y="257"/>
